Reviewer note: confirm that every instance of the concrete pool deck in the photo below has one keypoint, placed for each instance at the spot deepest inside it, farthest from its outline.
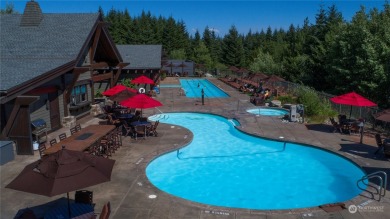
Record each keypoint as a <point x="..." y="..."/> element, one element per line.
<point x="129" y="190"/>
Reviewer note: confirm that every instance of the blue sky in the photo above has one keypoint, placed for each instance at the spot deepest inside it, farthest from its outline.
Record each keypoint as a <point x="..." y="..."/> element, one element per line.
<point x="219" y="15"/>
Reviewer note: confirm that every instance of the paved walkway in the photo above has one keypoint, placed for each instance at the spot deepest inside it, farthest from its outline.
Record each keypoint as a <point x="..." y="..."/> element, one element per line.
<point x="129" y="190"/>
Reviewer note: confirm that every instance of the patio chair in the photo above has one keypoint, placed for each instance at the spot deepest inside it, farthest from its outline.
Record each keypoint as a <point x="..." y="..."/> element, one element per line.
<point x="128" y="129"/>
<point x="41" y="149"/>
<point x="106" y="211"/>
<point x="62" y="136"/>
<point x="53" y="142"/>
<point x="152" y="130"/>
<point x="105" y="150"/>
<point x="73" y="130"/>
<point x="379" y="142"/>
<point x="94" y="149"/>
<point x="84" y="197"/>
<point x="113" y="121"/>
<point x="78" y="127"/>
<point x="140" y="130"/>
<point x="336" y="126"/>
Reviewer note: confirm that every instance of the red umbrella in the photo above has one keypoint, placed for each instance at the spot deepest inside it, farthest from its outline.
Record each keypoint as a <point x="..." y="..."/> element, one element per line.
<point x="141" y="101"/>
<point x="142" y="80"/>
<point x="352" y="99"/>
<point x="117" y="89"/>
<point x="123" y="95"/>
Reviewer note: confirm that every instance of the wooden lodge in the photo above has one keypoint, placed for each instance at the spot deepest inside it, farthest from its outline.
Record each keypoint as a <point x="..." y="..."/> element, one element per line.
<point x="49" y="65"/>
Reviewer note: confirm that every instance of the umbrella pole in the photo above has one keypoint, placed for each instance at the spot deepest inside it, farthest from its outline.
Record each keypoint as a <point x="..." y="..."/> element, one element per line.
<point x="67" y="194"/>
<point x="350" y="113"/>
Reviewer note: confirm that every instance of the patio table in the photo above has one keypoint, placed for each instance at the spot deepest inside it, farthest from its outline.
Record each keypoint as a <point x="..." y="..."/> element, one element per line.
<point x="83" y="139"/>
<point x="145" y="124"/>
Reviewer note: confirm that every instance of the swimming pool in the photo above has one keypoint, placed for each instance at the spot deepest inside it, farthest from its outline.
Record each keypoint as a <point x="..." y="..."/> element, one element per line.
<point x="193" y="88"/>
<point x="223" y="166"/>
<point x="268" y="111"/>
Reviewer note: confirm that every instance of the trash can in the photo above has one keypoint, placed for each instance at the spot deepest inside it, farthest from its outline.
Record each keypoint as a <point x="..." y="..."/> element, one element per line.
<point x="6" y="152"/>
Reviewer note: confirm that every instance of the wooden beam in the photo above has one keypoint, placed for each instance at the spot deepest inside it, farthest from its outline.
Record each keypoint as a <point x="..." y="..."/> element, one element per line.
<point x="99" y="65"/>
<point x="101" y="77"/>
<point x="19" y="101"/>
<point x="95" y="42"/>
<point x="118" y="73"/>
<point x="123" y="64"/>
<point x="80" y="69"/>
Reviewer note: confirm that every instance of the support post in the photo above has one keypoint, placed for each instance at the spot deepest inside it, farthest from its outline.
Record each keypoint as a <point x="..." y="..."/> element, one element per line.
<point x="202" y="96"/>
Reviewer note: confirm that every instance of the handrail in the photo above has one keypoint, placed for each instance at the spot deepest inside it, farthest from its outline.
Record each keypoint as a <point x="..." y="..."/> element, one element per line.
<point x="158" y="110"/>
<point x="382" y="182"/>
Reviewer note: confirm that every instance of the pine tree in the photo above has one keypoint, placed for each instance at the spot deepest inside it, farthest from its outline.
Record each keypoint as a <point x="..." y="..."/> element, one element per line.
<point x="232" y="49"/>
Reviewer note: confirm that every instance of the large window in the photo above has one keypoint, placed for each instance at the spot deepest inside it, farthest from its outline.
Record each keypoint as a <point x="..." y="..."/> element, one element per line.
<point x="79" y="94"/>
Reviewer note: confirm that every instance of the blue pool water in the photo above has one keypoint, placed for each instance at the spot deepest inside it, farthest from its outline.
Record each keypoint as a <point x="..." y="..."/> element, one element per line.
<point x="170" y="85"/>
<point x="192" y="90"/>
<point x="225" y="167"/>
<point x="268" y="111"/>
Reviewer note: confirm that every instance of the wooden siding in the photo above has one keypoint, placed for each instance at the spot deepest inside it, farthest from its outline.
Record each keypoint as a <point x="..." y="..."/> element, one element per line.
<point x="21" y="132"/>
<point x="84" y="76"/>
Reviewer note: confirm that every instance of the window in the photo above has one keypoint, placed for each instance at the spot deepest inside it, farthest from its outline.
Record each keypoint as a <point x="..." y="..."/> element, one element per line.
<point x="79" y="94"/>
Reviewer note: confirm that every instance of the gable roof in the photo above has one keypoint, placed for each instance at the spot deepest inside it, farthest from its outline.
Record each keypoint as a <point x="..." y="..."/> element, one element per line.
<point x="141" y="56"/>
<point x="30" y="51"/>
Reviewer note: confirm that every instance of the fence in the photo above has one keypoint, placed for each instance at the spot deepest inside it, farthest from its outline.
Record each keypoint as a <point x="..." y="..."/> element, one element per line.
<point x="355" y="111"/>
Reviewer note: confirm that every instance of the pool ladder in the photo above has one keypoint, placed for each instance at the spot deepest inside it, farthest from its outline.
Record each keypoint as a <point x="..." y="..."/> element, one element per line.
<point x="381" y="176"/>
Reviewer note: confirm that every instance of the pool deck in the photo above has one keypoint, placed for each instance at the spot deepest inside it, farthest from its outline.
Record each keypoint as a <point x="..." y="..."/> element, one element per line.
<point x="129" y="189"/>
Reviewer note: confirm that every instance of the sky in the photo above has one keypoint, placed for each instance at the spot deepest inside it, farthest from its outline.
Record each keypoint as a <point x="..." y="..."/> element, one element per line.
<point x="218" y="15"/>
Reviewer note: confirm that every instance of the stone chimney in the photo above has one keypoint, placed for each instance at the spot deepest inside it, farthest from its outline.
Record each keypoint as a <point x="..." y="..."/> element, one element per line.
<point x="32" y="15"/>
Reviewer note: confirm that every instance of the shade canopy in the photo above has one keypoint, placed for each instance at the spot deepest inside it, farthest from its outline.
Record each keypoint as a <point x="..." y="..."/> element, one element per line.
<point x="63" y="172"/>
<point x="141" y="101"/>
<point x="352" y="99"/>
<point x="123" y="95"/>
<point x="117" y="89"/>
<point x="383" y="116"/>
<point x="142" y="80"/>
<point x="233" y="68"/>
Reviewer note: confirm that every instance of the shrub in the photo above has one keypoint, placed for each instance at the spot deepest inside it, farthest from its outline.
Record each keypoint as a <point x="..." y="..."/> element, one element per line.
<point x="314" y="105"/>
<point x="287" y="99"/>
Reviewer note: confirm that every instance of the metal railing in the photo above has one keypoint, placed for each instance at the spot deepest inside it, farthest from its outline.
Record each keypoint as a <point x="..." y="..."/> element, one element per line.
<point x="381" y="188"/>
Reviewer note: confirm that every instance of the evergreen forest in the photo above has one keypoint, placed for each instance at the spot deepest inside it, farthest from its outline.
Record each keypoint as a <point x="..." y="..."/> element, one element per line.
<point x="328" y="54"/>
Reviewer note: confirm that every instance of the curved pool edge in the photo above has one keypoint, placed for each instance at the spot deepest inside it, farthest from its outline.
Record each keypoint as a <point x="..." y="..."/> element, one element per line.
<point x="314" y="209"/>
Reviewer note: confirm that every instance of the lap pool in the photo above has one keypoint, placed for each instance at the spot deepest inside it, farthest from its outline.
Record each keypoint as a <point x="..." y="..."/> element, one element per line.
<point x="193" y="89"/>
<point x="225" y="167"/>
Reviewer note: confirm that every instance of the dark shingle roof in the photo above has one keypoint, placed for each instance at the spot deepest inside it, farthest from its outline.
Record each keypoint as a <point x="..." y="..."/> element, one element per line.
<point x="141" y="56"/>
<point x="27" y="52"/>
